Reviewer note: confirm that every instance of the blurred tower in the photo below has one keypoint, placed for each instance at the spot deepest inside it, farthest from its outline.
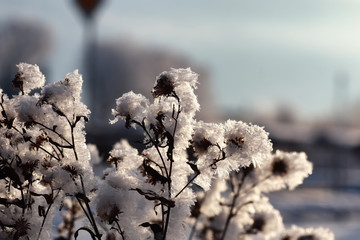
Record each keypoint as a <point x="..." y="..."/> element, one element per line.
<point x="88" y="9"/>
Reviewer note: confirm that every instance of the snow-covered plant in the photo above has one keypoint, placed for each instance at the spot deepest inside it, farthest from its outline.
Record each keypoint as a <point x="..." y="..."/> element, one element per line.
<point x="242" y="209"/>
<point x="43" y="155"/>
<point x="190" y="180"/>
<point x="195" y="179"/>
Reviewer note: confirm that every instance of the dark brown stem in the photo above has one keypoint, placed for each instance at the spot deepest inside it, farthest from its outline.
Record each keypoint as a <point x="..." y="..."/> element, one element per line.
<point x="167" y="222"/>
<point x="52" y="130"/>
<point x="120" y="230"/>
<point x="89" y="212"/>
<point x="232" y="206"/>
<point x="47" y="212"/>
<point x="190" y="181"/>
<point x="97" y="233"/>
<point x="237" y="194"/>
<point x="37" y="145"/>
<point x="142" y="125"/>
<point x="230" y="216"/>
<point x="82" y="207"/>
<point x="23" y="200"/>
<point x="162" y="216"/>
<point x="90" y="217"/>
<point x="171" y="163"/>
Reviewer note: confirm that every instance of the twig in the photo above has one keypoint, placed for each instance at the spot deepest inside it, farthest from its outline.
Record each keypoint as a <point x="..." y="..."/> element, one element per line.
<point x="190" y="181"/>
<point x="120" y="230"/>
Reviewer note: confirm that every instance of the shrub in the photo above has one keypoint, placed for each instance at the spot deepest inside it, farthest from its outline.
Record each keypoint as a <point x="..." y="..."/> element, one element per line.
<point x="192" y="179"/>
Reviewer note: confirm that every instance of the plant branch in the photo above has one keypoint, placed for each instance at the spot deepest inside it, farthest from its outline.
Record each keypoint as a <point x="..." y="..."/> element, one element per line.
<point x="52" y="130"/>
<point x="142" y="125"/>
<point x="190" y="181"/>
<point x="120" y="230"/>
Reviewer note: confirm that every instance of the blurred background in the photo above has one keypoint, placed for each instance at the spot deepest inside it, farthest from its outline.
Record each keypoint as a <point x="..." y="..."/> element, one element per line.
<point x="291" y="66"/>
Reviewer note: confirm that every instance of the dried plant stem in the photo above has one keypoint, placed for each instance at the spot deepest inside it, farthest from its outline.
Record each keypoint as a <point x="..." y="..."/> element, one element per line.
<point x="170" y="156"/>
<point x="47" y="212"/>
<point x="120" y="230"/>
<point x="230" y="215"/>
<point x="155" y="144"/>
<point x="188" y="183"/>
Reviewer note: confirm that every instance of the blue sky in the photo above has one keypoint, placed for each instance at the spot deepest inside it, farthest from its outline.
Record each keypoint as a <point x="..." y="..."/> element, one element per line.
<point x="259" y="53"/>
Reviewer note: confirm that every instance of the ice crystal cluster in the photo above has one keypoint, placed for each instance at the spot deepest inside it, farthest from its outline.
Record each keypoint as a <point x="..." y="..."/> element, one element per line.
<point x="191" y="179"/>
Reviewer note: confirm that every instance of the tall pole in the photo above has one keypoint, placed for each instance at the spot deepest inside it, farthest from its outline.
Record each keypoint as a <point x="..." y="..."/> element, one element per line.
<point x="88" y="9"/>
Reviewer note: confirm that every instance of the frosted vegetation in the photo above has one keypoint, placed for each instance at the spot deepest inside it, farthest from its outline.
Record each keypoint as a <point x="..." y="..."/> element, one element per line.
<point x="192" y="180"/>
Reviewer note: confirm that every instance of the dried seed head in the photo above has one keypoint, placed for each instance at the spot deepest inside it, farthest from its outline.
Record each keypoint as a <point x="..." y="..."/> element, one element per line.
<point x="110" y="215"/>
<point x="258" y="225"/>
<point x="201" y="146"/>
<point x="21" y="226"/>
<point x="279" y="167"/>
<point x="163" y="87"/>
<point x="237" y="141"/>
<point x="18" y="81"/>
<point x="74" y="172"/>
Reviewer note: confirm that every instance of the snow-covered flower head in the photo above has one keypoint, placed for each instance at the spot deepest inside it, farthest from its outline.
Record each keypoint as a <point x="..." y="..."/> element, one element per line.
<point x="164" y="85"/>
<point x="130" y="106"/>
<point x="167" y="81"/>
<point x="107" y="209"/>
<point x="121" y="151"/>
<point x="246" y="144"/>
<point x="65" y="96"/>
<point x="207" y="144"/>
<point x="286" y="169"/>
<point x="179" y="83"/>
<point x="298" y="233"/>
<point x="27" y="109"/>
<point x="207" y="139"/>
<point x="28" y="78"/>
<point x="265" y="220"/>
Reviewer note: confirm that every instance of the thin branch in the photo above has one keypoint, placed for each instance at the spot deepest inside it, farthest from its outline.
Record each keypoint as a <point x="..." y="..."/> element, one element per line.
<point x="142" y="125"/>
<point x="230" y="215"/>
<point x="171" y="163"/>
<point x="82" y="207"/>
<point x="37" y="145"/>
<point x="120" y="230"/>
<point x="190" y="181"/>
<point x="232" y="206"/>
<point x="47" y="212"/>
<point x="52" y="130"/>
<point x="98" y="235"/>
